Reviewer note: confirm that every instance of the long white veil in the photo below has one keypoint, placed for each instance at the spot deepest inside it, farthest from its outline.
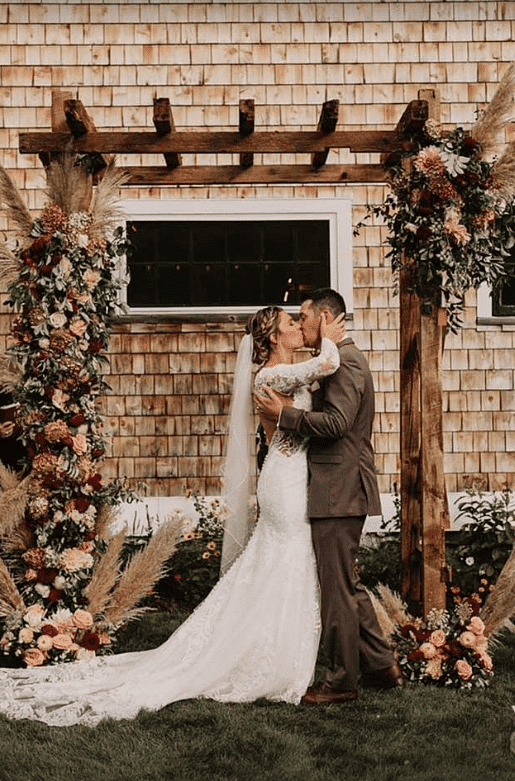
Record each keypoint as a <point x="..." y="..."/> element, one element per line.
<point x="240" y="461"/>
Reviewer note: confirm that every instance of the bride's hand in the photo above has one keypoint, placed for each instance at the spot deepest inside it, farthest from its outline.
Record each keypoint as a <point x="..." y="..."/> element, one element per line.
<point x="335" y="330"/>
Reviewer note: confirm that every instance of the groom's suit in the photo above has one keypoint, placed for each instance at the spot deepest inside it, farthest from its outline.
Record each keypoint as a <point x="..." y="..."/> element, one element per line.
<point x="342" y="492"/>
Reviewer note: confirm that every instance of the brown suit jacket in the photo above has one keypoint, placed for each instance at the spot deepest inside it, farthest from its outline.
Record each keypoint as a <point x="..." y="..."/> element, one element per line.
<point x="342" y="477"/>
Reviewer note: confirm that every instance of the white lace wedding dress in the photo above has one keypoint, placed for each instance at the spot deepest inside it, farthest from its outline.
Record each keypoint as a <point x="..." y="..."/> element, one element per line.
<point x="255" y="635"/>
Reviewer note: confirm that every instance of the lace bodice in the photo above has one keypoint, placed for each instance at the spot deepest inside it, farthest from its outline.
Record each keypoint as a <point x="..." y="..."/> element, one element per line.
<point x="295" y="380"/>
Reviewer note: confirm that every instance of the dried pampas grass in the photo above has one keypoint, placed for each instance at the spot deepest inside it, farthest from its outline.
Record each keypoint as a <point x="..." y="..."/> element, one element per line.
<point x="105" y="576"/>
<point x="504" y="174"/>
<point x="16" y="208"/>
<point x="66" y="183"/>
<point x="9" y="266"/>
<point x="499" y="608"/>
<point x="393" y="604"/>
<point x="10" y="597"/>
<point x="13" y="501"/>
<point x="145" y="569"/>
<point x="11" y="373"/>
<point x="105" y="210"/>
<point x="104" y="521"/>
<point x="385" y="621"/>
<point x="496" y="115"/>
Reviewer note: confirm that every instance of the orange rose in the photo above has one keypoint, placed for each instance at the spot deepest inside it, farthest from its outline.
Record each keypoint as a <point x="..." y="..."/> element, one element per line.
<point x="428" y="650"/>
<point x="467" y="639"/>
<point x="476" y="626"/>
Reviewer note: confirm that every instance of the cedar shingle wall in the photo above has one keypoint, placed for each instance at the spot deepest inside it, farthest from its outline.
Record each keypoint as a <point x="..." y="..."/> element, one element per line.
<point x="171" y="382"/>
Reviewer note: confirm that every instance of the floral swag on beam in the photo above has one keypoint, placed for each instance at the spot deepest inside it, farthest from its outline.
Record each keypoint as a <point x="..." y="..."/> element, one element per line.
<point x="63" y="592"/>
<point x="450" y="213"/>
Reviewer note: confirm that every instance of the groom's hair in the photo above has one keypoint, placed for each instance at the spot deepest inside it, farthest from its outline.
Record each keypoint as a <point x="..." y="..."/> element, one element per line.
<point x="326" y="298"/>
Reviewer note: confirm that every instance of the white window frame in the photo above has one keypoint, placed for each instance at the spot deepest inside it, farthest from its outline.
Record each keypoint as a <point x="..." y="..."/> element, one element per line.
<point x="337" y="211"/>
<point x="484" y="307"/>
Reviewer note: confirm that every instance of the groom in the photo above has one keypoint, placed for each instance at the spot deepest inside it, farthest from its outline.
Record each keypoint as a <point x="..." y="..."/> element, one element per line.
<point x="342" y="492"/>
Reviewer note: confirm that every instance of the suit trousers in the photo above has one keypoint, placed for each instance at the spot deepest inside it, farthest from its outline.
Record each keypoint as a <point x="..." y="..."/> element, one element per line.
<point x="352" y="641"/>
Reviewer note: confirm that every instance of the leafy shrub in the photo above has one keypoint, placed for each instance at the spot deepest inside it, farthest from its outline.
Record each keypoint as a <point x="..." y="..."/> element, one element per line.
<point x="482" y="546"/>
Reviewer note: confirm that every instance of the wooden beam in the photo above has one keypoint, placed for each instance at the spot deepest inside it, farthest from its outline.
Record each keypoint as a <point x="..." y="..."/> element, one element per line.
<point x="256" y="174"/>
<point x="302" y="142"/>
<point x="81" y="124"/>
<point x="247" y="118"/>
<point x="326" y="124"/>
<point x="58" y="120"/>
<point x="164" y="124"/>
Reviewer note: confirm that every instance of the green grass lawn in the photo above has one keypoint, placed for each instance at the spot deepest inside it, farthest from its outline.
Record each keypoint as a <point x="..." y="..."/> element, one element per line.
<point x="416" y="734"/>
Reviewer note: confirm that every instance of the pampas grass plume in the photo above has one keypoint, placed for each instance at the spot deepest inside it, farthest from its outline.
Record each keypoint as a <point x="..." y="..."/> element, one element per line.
<point x="499" y="608"/>
<point x="496" y="115"/>
<point x="105" y="575"/>
<point x="146" y="568"/>
<point x="393" y="604"/>
<point x="16" y="208"/>
<point x="10" y="597"/>
<point x="13" y="500"/>
<point x="385" y="622"/>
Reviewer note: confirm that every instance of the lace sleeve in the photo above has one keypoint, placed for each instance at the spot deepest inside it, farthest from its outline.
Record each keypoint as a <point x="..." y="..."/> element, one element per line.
<point x="286" y="378"/>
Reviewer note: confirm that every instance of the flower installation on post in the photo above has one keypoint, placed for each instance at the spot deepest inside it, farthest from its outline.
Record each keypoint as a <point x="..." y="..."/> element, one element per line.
<point x="63" y="591"/>
<point x="450" y="212"/>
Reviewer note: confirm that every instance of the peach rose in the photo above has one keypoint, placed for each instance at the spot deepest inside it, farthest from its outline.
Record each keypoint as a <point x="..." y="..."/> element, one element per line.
<point x="463" y="669"/>
<point x="82" y="619"/>
<point x="26" y="635"/>
<point x="91" y="278"/>
<point x="80" y="444"/>
<point x="78" y="326"/>
<point x="438" y="638"/>
<point x="30" y="574"/>
<point x="434" y="669"/>
<point x="467" y="639"/>
<point x="476" y="626"/>
<point x="428" y="650"/>
<point x="57" y="319"/>
<point x="34" y="616"/>
<point x="486" y="662"/>
<point x="62" y="642"/>
<point x="44" y="643"/>
<point x="33" y="657"/>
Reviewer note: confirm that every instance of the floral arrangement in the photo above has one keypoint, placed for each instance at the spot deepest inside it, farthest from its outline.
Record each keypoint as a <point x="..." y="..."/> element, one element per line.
<point x="62" y="590"/>
<point x="450" y="212"/>
<point x="447" y="649"/>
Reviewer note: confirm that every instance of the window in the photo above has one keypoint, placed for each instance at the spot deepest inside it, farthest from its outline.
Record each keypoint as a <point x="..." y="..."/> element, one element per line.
<point x="503" y="299"/>
<point x="233" y="256"/>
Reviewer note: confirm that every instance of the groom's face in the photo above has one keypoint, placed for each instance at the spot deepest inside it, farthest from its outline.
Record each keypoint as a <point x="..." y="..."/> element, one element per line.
<point x="310" y="324"/>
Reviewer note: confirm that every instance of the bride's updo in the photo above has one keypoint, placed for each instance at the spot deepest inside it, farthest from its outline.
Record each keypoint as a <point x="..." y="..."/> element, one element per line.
<point x="261" y="326"/>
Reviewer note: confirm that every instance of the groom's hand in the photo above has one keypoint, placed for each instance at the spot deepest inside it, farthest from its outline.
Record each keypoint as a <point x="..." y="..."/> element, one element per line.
<point x="269" y="403"/>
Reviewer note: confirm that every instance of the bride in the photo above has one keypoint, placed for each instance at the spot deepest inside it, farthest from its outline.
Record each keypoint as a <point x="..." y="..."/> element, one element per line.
<point x="257" y="633"/>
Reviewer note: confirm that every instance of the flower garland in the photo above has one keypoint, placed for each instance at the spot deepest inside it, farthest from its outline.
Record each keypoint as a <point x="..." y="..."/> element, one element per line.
<point x="65" y="290"/>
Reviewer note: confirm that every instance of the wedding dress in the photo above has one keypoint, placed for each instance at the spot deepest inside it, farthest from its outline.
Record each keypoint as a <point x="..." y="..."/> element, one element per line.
<point x="256" y="634"/>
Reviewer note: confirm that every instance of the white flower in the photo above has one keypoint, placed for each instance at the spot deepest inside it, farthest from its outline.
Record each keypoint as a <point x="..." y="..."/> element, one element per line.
<point x="59" y="583"/>
<point x="65" y="267"/>
<point x="82" y="239"/>
<point x="85" y="655"/>
<point x="44" y="344"/>
<point x="42" y="589"/>
<point x="57" y="319"/>
<point x="469" y="561"/>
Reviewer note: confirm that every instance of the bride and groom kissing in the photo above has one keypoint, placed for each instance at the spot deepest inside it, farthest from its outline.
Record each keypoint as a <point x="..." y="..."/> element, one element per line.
<point x="342" y="491"/>
<point x="288" y="579"/>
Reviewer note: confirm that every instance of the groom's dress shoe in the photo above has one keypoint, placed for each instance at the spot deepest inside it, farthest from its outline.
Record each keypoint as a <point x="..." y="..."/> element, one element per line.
<point x="324" y="695"/>
<point x="388" y="678"/>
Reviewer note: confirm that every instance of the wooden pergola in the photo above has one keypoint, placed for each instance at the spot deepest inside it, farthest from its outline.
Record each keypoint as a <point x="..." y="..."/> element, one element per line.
<point x="424" y="512"/>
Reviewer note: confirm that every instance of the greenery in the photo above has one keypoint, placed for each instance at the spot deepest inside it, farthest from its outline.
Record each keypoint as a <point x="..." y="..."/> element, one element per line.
<point x="482" y="546"/>
<point x="417" y="734"/>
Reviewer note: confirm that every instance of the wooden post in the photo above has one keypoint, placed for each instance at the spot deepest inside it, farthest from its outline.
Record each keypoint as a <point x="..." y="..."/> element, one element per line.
<point x="424" y="510"/>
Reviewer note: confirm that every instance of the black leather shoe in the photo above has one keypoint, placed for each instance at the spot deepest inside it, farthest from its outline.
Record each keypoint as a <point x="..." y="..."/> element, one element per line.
<point x="324" y="695"/>
<point x="388" y="678"/>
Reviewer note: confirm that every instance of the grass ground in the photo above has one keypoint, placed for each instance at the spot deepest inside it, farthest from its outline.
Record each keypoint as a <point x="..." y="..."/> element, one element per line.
<point x="417" y="734"/>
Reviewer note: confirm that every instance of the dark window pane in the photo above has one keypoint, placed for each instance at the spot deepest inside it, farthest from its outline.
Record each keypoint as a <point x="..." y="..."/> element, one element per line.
<point x="221" y="263"/>
<point x="503" y="302"/>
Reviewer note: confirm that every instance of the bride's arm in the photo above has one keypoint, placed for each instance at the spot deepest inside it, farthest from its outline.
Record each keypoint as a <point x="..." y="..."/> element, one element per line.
<point x="287" y="378"/>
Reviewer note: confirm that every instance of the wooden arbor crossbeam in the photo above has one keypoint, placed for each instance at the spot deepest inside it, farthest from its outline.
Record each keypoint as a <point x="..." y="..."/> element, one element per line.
<point x="80" y="136"/>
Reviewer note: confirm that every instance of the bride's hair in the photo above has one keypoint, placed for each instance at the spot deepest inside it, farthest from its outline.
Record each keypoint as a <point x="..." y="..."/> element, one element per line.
<point x="261" y="325"/>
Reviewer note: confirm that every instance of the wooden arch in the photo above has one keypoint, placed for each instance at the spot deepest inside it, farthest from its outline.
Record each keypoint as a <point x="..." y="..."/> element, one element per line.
<point x="424" y="512"/>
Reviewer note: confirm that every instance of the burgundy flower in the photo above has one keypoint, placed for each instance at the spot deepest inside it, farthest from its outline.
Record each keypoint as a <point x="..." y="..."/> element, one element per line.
<point x="49" y="629"/>
<point x="416" y="656"/>
<point x="91" y="641"/>
<point x="55" y="595"/>
<point x="46" y="576"/>
<point x="82" y="504"/>
<point x="78" y="419"/>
